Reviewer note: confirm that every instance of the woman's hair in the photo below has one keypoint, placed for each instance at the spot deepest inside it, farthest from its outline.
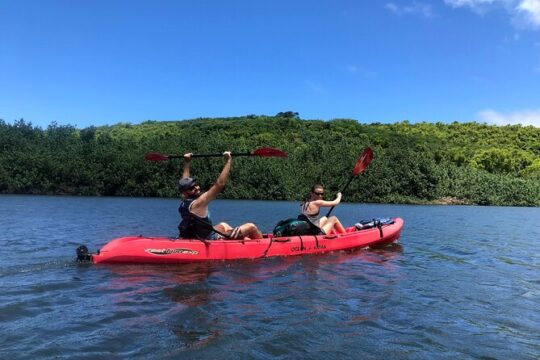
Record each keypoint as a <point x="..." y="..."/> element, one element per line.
<point x="308" y="196"/>
<point x="316" y="186"/>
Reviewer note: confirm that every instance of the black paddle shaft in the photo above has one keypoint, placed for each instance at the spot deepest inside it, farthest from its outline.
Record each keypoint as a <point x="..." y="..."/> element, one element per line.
<point x="217" y="155"/>
<point x="208" y="155"/>
<point x="342" y="191"/>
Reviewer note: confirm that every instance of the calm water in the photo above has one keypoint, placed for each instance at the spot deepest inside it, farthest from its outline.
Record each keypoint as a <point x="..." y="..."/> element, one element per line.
<point x="464" y="283"/>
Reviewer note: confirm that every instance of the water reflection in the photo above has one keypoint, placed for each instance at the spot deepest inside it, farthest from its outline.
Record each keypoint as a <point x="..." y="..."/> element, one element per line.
<point x="219" y="300"/>
<point x="181" y="283"/>
<point x="189" y="284"/>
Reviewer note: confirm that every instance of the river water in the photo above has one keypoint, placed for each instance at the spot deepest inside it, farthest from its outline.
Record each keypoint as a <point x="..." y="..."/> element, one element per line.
<point x="464" y="282"/>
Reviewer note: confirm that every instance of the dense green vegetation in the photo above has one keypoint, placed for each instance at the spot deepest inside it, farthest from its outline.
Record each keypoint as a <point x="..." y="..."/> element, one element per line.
<point x="467" y="163"/>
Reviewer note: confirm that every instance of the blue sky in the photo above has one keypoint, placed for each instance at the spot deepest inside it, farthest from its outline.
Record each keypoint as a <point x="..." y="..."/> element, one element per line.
<point x="102" y="62"/>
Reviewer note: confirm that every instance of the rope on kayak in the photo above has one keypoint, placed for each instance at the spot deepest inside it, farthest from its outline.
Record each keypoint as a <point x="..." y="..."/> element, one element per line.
<point x="379" y="226"/>
<point x="277" y="240"/>
<point x="268" y="248"/>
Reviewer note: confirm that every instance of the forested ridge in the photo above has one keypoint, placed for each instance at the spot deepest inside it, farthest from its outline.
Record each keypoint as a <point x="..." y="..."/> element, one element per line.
<point x="463" y="163"/>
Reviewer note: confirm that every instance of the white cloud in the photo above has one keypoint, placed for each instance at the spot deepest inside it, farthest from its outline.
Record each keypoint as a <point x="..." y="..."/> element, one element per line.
<point x="471" y="3"/>
<point x="523" y="13"/>
<point x="523" y="117"/>
<point x="415" y="8"/>
<point x="477" y="5"/>
<point x="358" y="70"/>
<point x="529" y="12"/>
<point x="392" y="7"/>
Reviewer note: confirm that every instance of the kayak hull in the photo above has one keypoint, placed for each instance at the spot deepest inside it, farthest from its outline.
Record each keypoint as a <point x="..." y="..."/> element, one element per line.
<point x="148" y="250"/>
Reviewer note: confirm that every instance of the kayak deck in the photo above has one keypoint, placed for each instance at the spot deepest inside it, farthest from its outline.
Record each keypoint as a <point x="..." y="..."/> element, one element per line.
<point x="139" y="249"/>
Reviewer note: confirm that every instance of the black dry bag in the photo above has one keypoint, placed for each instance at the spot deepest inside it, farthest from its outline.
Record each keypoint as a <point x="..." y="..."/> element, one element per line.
<point x="292" y="227"/>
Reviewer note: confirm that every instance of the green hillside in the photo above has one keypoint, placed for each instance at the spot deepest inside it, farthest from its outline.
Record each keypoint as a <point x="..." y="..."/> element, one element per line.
<point x="467" y="163"/>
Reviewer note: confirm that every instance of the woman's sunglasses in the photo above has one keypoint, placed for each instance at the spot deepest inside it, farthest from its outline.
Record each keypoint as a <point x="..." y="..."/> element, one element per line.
<point x="318" y="193"/>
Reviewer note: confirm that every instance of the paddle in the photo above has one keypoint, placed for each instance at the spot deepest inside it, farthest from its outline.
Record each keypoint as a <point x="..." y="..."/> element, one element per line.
<point x="361" y="164"/>
<point x="262" y="152"/>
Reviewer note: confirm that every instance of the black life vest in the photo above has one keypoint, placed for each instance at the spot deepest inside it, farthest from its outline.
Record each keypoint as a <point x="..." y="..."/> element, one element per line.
<point x="192" y="226"/>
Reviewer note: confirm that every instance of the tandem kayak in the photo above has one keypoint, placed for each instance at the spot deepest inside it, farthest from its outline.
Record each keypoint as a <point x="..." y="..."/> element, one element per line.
<point x="148" y="250"/>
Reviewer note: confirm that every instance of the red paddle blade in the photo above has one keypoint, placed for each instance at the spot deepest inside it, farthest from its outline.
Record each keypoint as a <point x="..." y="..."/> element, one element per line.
<point x="363" y="161"/>
<point x="156" y="157"/>
<point x="268" y="152"/>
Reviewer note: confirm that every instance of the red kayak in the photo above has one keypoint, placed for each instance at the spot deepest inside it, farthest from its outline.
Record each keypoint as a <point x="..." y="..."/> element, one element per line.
<point x="138" y="249"/>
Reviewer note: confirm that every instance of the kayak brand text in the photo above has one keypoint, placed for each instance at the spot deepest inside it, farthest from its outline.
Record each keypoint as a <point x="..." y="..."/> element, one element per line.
<point x="310" y="248"/>
<point x="171" y="251"/>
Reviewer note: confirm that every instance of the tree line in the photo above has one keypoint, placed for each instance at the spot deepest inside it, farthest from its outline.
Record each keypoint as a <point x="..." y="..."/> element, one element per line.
<point x="464" y="163"/>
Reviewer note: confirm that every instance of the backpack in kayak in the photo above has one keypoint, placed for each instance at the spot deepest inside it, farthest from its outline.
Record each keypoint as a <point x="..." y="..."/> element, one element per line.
<point x="368" y="224"/>
<point x="292" y="227"/>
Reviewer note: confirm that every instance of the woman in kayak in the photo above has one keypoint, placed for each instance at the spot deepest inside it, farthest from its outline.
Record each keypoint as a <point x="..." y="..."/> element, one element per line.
<point x="311" y="211"/>
<point x="196" y="223"/>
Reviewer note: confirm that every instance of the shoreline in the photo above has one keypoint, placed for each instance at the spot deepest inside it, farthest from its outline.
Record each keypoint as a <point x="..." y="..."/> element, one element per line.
<point x="446" y="200"/>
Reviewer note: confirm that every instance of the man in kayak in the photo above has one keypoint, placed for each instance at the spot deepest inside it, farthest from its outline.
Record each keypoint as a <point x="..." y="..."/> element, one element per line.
<point x="311" y="211"/>
<point x="196" y="223"/>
